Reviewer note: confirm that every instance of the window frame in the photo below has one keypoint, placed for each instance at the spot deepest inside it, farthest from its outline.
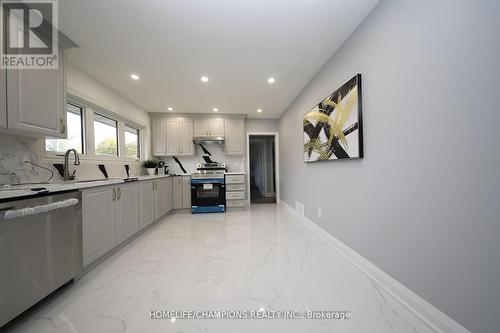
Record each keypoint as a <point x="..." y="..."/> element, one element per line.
<point x="97" y="117"/>
<point x="88" y="147"/>
<point x="50" y="153"/>
<point x="139" y="142"/>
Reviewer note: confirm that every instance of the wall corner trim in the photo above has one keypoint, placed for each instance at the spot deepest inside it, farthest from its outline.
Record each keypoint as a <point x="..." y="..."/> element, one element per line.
<point x="430" y="315"/>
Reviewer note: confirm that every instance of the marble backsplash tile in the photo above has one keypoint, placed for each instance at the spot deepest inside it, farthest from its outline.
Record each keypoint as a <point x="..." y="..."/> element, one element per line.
<point x="216" y="154"/>
<point x="14" y="151"/>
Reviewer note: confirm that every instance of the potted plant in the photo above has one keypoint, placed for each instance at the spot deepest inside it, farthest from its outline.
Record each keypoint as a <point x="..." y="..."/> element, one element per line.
<point x="150" y="166"/>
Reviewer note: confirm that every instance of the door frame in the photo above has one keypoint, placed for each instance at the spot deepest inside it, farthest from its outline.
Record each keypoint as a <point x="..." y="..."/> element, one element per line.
<point x="276" y="158"/>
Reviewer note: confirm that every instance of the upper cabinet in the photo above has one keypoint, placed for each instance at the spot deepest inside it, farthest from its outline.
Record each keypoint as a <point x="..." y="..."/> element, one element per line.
<point x="158" y="137"/>
<point x="172" y="137"/>
<point x="3" y="99"/>
<point x="234" y="137"/>
<point x="209" y="127"/>
<point x="36" y="101"/>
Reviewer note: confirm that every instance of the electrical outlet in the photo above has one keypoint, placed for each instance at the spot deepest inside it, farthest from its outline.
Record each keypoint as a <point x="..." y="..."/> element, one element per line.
<point x="320" y="213"/>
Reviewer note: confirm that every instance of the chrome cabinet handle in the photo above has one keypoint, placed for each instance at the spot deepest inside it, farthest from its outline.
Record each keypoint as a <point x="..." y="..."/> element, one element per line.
<point x="119" y="193"/>
<point x="114" y="194"/>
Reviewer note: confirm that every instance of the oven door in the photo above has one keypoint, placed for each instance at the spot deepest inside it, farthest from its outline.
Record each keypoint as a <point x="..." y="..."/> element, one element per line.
<point x="208" y="195"/>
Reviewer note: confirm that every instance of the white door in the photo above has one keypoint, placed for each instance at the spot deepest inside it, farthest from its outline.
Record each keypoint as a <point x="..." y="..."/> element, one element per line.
<point x="36" y="100"/>
<point x="159" y="140"/>
<point x="98" y="226"/>
<point x="127" y="217"/>
<point x="3" y="99"/>
<point x="186" y="192"/>
<point x="146" y="203"/>
<point x="234" y="137"/>
<point x="172" y="134"/>
<point x="177" y="192"/>
<point x="186" y="140"/>
<point x="201" y="127"/>
<point x="156" y="200"/>
<point x="169" y="189"/>
<point x="217" y="127"/>
<point x="163" y="196"/>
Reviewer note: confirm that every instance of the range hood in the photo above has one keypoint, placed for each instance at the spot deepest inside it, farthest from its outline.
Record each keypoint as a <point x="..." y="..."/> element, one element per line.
<point x="202" y="139"/>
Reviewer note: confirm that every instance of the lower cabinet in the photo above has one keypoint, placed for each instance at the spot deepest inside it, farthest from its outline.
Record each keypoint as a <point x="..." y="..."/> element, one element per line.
<point x="127" y="211"/>
<point x="163" y="197"/>
<point x="98" y="226"/>
<point x="181" y="192"/>
<point x="146" y="203"/>
<point x="110" y="216"/>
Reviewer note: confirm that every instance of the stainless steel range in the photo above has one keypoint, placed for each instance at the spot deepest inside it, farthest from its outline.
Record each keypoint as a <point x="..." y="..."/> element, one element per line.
<point x="208" y="188"/>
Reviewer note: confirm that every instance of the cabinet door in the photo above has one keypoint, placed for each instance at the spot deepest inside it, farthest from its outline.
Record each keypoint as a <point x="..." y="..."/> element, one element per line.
<point x="164" y="197"/>
<point x="234" y="140"/>
<point x="169" y="194"/>
<point x="158" y="135"/>
<point x="217" y="127"/>
<point x="127" y="212"/>
<point x="201" y="127"/>
<point x="186" y="192"/>
<point x="3" y="99"/>
<point x="172" y="134"/>
<point x="186" y="139"/>
<point x="177" y="192"/>
<point x="98" y="226"/>
<point x="36" y="100"/>
<point x="146" y="203"/>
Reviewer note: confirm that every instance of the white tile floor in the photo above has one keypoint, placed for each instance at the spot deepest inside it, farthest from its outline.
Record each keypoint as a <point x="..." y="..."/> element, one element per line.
<point x="241" y="260"/>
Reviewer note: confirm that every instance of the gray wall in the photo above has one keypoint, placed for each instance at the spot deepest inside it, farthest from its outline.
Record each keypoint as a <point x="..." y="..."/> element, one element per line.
<point x="262" y="125"/>
<point x="423" y="205"/>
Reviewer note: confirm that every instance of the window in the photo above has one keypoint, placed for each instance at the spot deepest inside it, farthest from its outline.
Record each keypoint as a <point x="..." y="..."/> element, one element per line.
<point x="132" y="143"/>
<point x="74" y="131"/>
<point x="105" y="136"/>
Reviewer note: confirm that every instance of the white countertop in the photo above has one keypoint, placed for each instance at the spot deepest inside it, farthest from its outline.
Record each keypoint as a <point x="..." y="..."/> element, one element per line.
<point x="20" y="191"/>
<point x="236" y="173"/>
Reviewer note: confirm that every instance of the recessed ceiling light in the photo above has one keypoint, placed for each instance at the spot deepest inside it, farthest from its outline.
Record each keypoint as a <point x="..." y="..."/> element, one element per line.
<point x="271" y="80"/>
<point x="170" y="108"/>
<point x="215" y="109"/>
<point x="259" y="110"/>
<point x="204" y="79"/>
<point x="134" y="77"/>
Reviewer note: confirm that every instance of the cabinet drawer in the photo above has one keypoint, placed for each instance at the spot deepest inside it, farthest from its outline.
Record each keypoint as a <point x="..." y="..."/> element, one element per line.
<point x="235" y="195"/>
<point x="235" y="203"/>
<point x="235" y="187"/>
<point x="235" y="179"/>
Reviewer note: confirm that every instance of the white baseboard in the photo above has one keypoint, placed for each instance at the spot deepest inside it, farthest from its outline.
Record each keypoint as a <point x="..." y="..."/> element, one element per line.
<point x="432" y="316"/>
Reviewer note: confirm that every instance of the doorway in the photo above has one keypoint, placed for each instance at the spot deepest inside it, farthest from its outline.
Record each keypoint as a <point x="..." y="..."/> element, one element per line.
<point x="262" y="168"/>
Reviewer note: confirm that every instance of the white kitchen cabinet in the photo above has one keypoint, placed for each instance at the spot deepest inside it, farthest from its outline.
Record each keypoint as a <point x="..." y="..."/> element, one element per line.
<point x="201" y="127"/>
<point x="146" y="203"/>
<point x="3" y="98"/>
<point x="186" y="137"/>
<point x="36" y="100"/>
<point x="159" y="139"/>
<point x="179" y="137"/>
<point x="209" y="127"/>
<point x="172" y="129"/>
<point x="110" y="216"/>
<point x="181" y="192"/>
<point x="127" y="211"/>
<point x="163" y="196"/>
<point x="98" y="227"/>
<point x="234" y="138"/>
<point x="235" y="190"/>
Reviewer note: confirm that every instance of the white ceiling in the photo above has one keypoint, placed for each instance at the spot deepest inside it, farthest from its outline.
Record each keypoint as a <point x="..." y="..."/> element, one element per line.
<point x="238" y="44"/>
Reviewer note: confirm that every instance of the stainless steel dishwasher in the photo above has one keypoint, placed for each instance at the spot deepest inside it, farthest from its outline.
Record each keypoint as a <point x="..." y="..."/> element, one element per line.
<point x="40" y="249"/>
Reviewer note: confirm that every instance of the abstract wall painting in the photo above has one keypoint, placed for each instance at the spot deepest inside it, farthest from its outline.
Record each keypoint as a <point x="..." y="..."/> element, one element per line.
<point x="333" y="129"/>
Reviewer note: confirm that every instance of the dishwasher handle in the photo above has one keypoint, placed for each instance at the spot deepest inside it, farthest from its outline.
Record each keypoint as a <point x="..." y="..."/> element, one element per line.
<point x="28" y="211"/>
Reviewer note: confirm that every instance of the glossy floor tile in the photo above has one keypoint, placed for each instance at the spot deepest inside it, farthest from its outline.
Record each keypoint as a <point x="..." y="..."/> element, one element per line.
<point x="262" y="258"/>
